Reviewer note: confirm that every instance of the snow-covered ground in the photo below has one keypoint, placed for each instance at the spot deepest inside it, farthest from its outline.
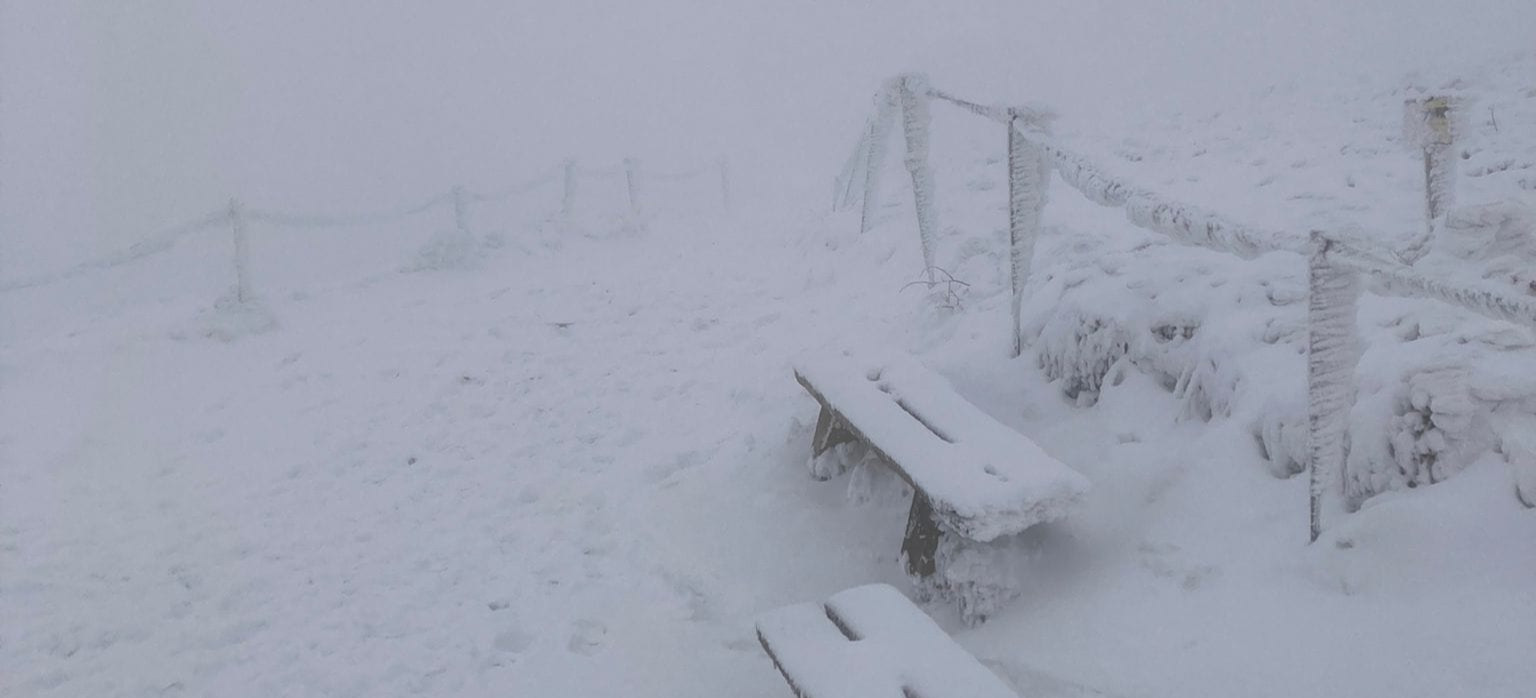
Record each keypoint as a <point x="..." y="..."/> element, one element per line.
<point x="576" y="465"/>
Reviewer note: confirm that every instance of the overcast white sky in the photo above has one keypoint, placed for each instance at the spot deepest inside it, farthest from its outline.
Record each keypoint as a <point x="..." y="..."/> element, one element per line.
<point x="117" y="118"/>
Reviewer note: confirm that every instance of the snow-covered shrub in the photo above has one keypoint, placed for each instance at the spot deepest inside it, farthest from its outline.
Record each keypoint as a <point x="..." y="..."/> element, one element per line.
<point x="1227" y="338"/>
<point x="1429" y="386"/>
<point x="1281" y="431"/>
<point x="1430" y="428"/>
<point x="1077" y="348"/>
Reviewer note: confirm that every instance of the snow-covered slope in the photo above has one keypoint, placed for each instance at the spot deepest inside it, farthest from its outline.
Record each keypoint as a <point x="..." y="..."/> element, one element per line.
<point x="575" y="466"/>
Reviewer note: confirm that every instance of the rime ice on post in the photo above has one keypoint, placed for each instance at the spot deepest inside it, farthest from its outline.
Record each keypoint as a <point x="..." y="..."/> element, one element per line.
<point x="461" y="213"/>
<point x="238" y="312"/>
<point x="1429" y="125"/>
<point x="1332" y="351"/>
<point x="846" y="187"/>
<point x="241" y="252"/>
<point x="1028" y="175"/>
<point x="874" y="155"/>
<point x="632" y="182"/>
<point x="913" y="91"/>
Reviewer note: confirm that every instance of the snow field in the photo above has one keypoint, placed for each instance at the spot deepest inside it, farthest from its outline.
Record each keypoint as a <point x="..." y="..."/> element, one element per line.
<point x="576" y="467"/>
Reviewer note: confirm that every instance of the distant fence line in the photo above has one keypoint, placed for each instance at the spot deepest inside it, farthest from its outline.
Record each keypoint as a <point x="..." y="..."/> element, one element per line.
<point x="237" y="216"/>
<point x="1337" y="264"/>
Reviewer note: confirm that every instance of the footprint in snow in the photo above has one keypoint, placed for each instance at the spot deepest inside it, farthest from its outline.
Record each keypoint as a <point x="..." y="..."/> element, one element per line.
<point x="587" y="637"/>
<point x="515" y="640"/>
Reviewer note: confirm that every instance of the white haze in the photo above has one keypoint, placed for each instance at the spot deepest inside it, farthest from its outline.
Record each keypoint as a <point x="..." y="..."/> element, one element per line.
<point x="118" y="119"/>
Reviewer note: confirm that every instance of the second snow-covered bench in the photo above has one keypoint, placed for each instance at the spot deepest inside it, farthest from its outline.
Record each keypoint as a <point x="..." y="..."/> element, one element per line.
<point x="871" y="642"/>
<point x="976" y="483"/>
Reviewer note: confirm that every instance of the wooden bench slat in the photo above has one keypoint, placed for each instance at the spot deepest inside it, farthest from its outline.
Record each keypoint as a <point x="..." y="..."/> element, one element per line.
<point x="983" y="479"/>
<point x="896" y="650"/>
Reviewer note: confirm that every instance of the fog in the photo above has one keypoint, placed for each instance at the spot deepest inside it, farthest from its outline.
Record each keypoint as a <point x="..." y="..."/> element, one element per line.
<point x="117" y="119"/>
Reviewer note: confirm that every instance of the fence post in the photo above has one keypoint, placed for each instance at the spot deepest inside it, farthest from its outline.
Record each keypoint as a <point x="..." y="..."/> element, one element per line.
<point x="913" y="89"/>
<point x="568" y="198"/>
<point x="241" y="252"/>
<point x="1332" y="352"/>
<point x="1028" y="176"/>
<point x="461" y="211"/>
<point x="632" y="181"/>
<point x="874" y="156"/>
<point x="1430" y="127"/>
<point x="843" y="187"/>
<point x="725" y="183"/>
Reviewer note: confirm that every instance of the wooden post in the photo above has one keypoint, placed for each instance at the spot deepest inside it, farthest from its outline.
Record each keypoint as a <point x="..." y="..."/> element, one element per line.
<point x="461" y="210"/>
<point x="874" y="157"/>
<point x="241" y="257"/>
<point x="913" y="91"/>
<point x="632" y="180"/>
<point x="1429" y="126"/>
<point x="1332" y="352"/>
<point x="568" y="199"/>
<point x="1439" y="162"/>
<point x="845" y="187"/>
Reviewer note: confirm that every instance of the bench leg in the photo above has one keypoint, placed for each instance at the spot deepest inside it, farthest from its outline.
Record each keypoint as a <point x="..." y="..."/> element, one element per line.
<point x="980" y="577"/>
<point x="829" y="434"/>
<point x="920" y="547"/>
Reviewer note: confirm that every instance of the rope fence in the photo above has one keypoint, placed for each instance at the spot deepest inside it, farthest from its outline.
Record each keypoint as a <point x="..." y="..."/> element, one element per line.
<point x="1338" y="265"/>
<point x="238" y="217"/>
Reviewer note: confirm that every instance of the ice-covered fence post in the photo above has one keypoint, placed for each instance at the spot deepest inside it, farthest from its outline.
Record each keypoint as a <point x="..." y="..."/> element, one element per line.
<point x="725" y="183"/>
<point x="1429" y="126"/>
<point x="632" y="182"/>
<point x="1332" y="352"/>
<point x="874" y="155"/>
<point x="1028" y="176"/>
<point x="844" y="186"/>
<point x="568" y="198"/>
<point x="461" y="211"/>
<point x="241" y="252"/>
<point x="913" y="92"/>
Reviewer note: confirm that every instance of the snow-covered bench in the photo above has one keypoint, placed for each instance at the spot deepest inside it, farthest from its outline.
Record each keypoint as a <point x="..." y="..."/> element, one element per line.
<point x="871" y="642"/>
<point x="976" y="483"/>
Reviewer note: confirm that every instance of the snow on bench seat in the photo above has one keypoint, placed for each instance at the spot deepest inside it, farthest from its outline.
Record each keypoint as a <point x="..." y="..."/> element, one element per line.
<point x="982" y="479"/>
<point x="871" y="642"/>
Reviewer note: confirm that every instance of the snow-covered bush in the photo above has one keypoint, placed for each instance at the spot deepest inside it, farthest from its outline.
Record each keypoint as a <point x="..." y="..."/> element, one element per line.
<point x="1227" y="338"/>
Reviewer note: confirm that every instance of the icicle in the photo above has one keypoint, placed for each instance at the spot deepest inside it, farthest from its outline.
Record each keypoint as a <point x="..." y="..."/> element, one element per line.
<point x="242" y="264"/>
